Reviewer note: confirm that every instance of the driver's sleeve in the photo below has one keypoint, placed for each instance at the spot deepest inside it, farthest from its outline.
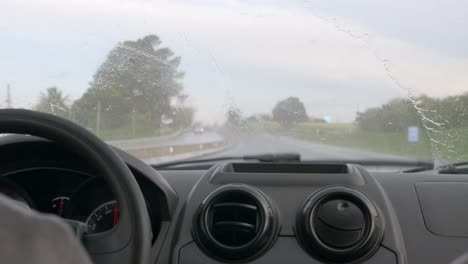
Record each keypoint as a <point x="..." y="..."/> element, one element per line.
<point x="30" y="237"/>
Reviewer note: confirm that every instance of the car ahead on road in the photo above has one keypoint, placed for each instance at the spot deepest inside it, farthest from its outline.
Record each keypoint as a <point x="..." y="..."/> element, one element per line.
<point x="247" y="132"/>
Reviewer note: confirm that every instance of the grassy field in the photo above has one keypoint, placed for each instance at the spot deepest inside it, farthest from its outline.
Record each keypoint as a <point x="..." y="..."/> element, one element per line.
<point x="450" y="145"/>
<point x="347" y="135"/>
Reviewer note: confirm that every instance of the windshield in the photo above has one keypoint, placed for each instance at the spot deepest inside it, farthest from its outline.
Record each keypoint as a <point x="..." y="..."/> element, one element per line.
<point x="170" y="80"/>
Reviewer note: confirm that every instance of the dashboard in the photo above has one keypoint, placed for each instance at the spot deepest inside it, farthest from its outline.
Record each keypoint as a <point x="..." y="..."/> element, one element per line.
<point x="245" y="212"/>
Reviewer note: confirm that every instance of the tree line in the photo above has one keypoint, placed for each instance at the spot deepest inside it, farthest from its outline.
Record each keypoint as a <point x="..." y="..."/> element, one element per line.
<point x="136" y="89"/>
<point x="287" y="112"/>
<point x="394" y="116"/>
<point x="424" y="111"/>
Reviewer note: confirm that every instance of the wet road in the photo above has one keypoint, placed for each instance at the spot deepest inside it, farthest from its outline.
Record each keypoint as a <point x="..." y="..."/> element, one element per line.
<point x="265" y="143"/>
<point x="251" y="143"/>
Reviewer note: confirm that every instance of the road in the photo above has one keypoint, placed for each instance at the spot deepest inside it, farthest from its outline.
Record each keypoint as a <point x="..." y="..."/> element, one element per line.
<point x="251" y="143"/>
<point x="265" y="143"/>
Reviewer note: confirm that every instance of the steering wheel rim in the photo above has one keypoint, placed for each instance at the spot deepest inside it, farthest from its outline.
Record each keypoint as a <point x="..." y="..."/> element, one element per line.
<point x="131" y="238"/>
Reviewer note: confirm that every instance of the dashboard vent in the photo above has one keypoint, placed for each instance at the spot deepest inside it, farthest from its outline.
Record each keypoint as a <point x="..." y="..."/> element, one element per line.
<point x="235" y="219"/>
<point x="339" y="225"/>
<point x="235" y="223"/>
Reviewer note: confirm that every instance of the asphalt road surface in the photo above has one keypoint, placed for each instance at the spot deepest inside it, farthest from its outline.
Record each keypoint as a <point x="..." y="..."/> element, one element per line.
<point x="265" y="143"/>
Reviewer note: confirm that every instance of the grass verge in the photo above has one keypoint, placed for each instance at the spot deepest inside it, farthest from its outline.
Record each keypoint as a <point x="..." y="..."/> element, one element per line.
<point x="449" y="145"/>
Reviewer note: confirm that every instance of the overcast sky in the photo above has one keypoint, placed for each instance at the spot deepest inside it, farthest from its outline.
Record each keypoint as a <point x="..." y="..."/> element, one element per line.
<point x="336" y="55"/>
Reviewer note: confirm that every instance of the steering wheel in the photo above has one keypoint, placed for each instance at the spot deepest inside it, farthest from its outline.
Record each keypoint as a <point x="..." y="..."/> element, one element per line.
<point x="130" y="240"/>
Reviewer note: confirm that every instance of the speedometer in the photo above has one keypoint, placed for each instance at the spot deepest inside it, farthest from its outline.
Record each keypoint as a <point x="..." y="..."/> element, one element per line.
<point x="103" y="218"/>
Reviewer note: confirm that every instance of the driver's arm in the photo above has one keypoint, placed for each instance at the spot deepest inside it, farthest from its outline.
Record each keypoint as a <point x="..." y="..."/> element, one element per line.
<point x="30" y="237"/>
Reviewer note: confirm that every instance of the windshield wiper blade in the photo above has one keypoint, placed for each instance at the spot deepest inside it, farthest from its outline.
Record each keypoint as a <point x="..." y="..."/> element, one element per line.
<point x="265" y="157"/>
<point x="410" y="165"/>
<point x="454" y="168"/>
<point x="428" y="164"/>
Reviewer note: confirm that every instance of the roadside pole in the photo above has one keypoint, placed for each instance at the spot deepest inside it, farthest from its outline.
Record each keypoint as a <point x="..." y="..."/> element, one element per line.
<point x="98" y="118"/>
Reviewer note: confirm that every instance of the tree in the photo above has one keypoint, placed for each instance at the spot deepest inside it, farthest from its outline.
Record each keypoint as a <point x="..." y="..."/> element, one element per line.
<point x="259" y="118"/>
<point x="137" y="81"/>
<point x="183" y="117"/>
<point x="432" y="113"/>
<point x="234" y="115"/>
<point x="394" y="116"/>
<point x="54" y="102"/>
<point x="182" y="113"/>
<point x="289" y="112"/>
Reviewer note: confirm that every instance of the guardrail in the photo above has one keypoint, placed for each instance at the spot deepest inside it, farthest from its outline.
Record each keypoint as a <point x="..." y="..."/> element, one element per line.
<point x="155" y="152"/>
<point x="127" y="144"/>
<point x="171" y="147"/>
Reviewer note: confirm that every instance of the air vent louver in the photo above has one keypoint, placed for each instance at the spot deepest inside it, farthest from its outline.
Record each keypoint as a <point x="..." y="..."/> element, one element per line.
<point x="235" y="220"/>
<point x="235" y="223"/>
<point x="339" y="225"/>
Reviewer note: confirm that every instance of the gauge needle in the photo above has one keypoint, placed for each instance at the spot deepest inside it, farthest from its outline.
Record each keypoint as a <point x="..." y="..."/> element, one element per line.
<point x="61" y="203"/>
<point x="116" y="214"/>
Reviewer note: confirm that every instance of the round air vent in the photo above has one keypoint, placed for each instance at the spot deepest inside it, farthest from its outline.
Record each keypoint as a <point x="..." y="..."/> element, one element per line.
<point x="235" y="223"/>
<point x="339" y="225"/>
